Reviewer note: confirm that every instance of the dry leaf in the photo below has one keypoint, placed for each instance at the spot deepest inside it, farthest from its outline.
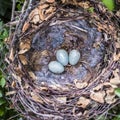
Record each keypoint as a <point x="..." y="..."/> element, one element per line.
<point x="80" y="85"/>
<point x="116" y="57"/>
<point x="50" y="1"/>
<point x="110" y="97"/>
<point x="13" y="84"/>
<point x="10" y="93"/>
<point x="34" y="16"/>
<point x="23" y="59"/>
<point x="83" y="102"/>
<point x="25" y="26"/>
<point x="117" y="44"/>
<point x="98" y="87"/>
<point x="50" y="10"/>
<point x="24" y="46"/>
<point x="32" y="75"/>
<point x="11" y="56"/>
<point x="17" y="78"/>
<point x="98" y="96"/>
<point x="36" y="19"/>
<point x="116" y="79"/>
<point x="41" y="11"/>
<point x="36" y="97"/>
<point x="61" y="99"/>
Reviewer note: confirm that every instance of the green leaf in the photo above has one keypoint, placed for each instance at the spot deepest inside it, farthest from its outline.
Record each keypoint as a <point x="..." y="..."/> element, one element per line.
<point x="110" y="4"/>
<point x="117" y="92"/>
<point x="2" y="82"/>
<point x="2" y="101"/>
<point x="2" y="111"/>
<point x="117" y="118"/>
<point x="1" y="94"/>
<point x="91" y="9"/>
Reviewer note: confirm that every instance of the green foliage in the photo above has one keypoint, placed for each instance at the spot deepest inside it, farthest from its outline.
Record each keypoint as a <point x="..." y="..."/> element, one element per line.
<point x="117" y="92"/>
<point x="110" y="4"/>
<point x="5" y="110"/>
<point x="19" y="4"/>
<point x="91" y="9"/>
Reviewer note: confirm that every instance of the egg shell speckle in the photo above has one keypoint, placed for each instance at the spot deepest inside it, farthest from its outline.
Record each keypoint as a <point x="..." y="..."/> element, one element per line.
<point x="74" y="57"/>
<point x="62" y="56"/>
<point x="56" y="67"/>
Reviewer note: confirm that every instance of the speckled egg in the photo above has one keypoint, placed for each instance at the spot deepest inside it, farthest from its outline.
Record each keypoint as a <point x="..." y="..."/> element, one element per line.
<point x="56" y="67"/>
<point x="74" y="57"/>
<point x="62" y="56"/>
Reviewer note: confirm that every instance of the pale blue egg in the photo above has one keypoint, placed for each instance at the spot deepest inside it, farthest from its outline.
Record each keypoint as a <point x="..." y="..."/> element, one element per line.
<point x="56" y="67"/>
<point x="62" y="56"/>
<point x="74" y="57"/>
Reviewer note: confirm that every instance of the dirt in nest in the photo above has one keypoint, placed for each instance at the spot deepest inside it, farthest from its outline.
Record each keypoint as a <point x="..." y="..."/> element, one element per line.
<point x="74" y="34"/>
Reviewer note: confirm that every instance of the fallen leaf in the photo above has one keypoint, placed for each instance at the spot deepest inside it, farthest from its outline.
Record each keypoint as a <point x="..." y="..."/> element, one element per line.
<point x="23" y="59"/>
<point x="116" y="57"/>
<point x="36" y="97"/>
<point x="10" y="93"/>
<point x="61" y="99"/>
<point x="110" y="99"/>
<point x="25" y="26"/>
<point x="24" y="46"/>
<point x="50" y="1"/>
<point x="16" y="78"/>
<point x="83" y="102"/>
<point x="34" y="16"/>
<point x="50" y="10"/>
<point x="13" y="85"/>
<point x="32" y="75"/>
<point x="80" y="85"/>
<point x="98" y="96"/>
<point x="11" y="56"/>
<point x="116" y="79"/>
<point x="98" y="87"/>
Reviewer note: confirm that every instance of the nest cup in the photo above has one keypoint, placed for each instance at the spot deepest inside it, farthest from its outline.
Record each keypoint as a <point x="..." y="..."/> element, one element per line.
<point x="82" y="91"/>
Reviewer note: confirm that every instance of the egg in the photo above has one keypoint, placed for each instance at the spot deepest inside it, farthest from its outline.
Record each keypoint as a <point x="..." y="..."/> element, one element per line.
<point x="62" y="56"/>
<point x="56" y="67"/>
<point x="74" y="57"/>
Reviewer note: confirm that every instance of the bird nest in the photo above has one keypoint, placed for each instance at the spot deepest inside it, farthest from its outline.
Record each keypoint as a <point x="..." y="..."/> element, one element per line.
<point x="82" y="91"/>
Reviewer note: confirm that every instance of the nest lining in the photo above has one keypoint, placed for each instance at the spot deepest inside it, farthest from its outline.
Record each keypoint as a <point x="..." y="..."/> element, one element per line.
<point x="69" y="35"/>
<point x="82" y="91"/>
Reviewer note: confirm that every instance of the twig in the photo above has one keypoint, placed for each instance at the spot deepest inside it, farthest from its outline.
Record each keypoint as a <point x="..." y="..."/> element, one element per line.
<point x="24" y="6"/>
<point x="12" y="15"/>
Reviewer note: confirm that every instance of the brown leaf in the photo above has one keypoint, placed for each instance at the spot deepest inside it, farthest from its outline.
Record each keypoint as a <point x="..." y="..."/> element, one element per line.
<point x="32" y="75"/>
<point x="117" y="44"/>
<point x="116" y="57"/>
<point x="17" y="78"/>
<point x="11" y="56"/>
<point x="116" y="79"/>
<point x="24" y="46"/>
<point x="50" y="1"/>
<point x="110" y="97"/>
<point x="61" y="99"/>
<point x="34" y="16"/>
<point x="23" y="59"/>
<point x="13" y="84"/>
<point x="10" y="93"/>
<point x="25" y="26"/>
<point x="80" y="85"/>
<point x="50" y="10"/>
<point x="98" y="96"/>
<point x="36" y="97"/>
<point x="41" y="11"/>
<point x="83" y="102"/>
<point x="98" y="87"/>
